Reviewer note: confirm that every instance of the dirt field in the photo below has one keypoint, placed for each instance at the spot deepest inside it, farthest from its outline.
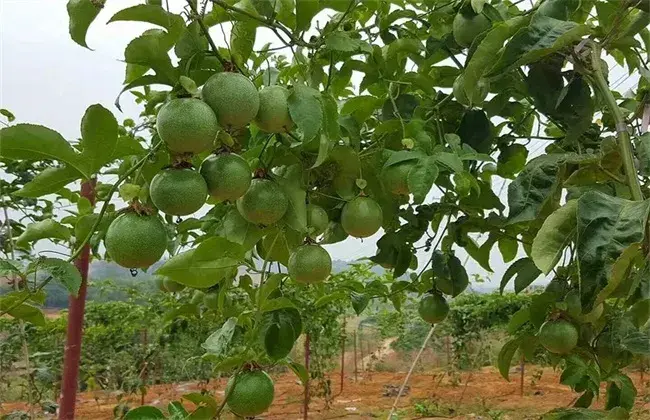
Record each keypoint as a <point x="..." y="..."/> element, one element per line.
<point x="482" y="394"/>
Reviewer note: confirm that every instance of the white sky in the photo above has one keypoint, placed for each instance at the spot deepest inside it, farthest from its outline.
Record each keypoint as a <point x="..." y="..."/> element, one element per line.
<point x="46" y="78"/>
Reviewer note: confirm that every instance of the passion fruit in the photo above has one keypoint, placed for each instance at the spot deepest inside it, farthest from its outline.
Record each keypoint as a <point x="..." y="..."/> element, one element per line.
<point x="264" y="203"/>
<point x="178" y="192"/>
<point x="559" y="336"/>
<point x="136" y="241"/>
<point x="250" y="393"/>
<point x="395" y="177"/>
<point x="310" y="264"/>
<point x="187" y="125"/>
<point x="227" y="175"/>
<point x="317" y="219"/>
<point x="433" y="308"/>
<point x="361" y="217"/>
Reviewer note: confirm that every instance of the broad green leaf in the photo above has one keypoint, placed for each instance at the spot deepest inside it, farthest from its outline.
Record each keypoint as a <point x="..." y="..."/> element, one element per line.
<point x="290" y="182"/>
<point x="458" y="277"/>
<point x="477" y="5"/>
<point x="277" y="303"/>
<point x="331" y="126"/>
<point x="45" y="229"/>
<point x="242" y="39"/>
<point x="300" y="372"/>
<point x="606" y="227"/>
<point x="196" y="269"/>
<point x="512" y="160"/>
<point x="536" y="189"/>
<point x="201" y="399"/>
<point x="525" y="271"/>
<point x="61" y="271"/>
<point x="152" y="14"/>
<point x="518" y="319"/>
<point x="99" y="137"/>
<point x="643" y="153"/>
<point x="145" y="412"/>
<point x="306" y="110"/>
<point x="421" y="178"/>
<point x="25" y="312"/>
<point x="49" y="181"/>
<point x="508" y="248"/>
<point x="148" y="79"/>
<point x="82" y="13"/>
<point x="450" y="160"/>
<point x="305" y="12"/>
<point x="403" y="156"/>
<point x="190" y="42"/>
<point x="476" y="130"/>
<point x="35" y="142"/>
<point x="360" y="107"/>
<point x="341" y="41"/>
<point x="176" y="410"/>
<point x="270" y="285"/>
<point x="505" y="357"/>
<point x="621" y="392"/>
<point x="324" y="146"/>
<point x="487" y="50"/>
<point x="542" y="37"/>
<point x="558" y="230"/>
<point x="279" y="330"/>
<point x="150" y="49"/>
<point x="217" y="343"/>
<point x="480" y="254"/>
<point x="359" y="302"/>
<point x="235" y="228"/>
<point x="189" y="85"/>
<point x="620" y="270"/>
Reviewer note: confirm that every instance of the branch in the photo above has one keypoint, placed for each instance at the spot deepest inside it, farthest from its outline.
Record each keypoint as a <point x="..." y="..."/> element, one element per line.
<point x="624" y="142"/>
<point x="266" y="22"/>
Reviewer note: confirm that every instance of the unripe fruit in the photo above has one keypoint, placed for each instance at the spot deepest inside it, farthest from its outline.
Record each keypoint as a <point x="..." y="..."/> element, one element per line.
<point x="178" y="192"/>
<point x="264" y="203"/>
<point x="481" y="92"/>
<point x="433" y="308"/>
<point x="233" y="98"/>
<point x="467" y="26"/>
<point x="395" y="177"/>
<point x="172" y="286"/>
<point x="160" y="283"/>
<point x="559" y="337"/>
<point x="135" y="241"/>
<point x="273" y="115"/>
<point x="250" y="393"/>
<point x="187" y="125"/>
<point x="227" y="175"/>
<point x="317" y="219"/>
<point x="310" y="264"/>
<point x="361" y="217"/>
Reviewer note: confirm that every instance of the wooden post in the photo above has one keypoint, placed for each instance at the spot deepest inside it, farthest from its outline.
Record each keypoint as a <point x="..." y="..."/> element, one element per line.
<point x="343" y="355"/>
<point x="74" y="333"/>
<point x="448" y="348"/>
<point x="354" y="340"/>
<point x="522" y="367"/>
<point x="307" y="355"/>
<point x="363" y="369"/>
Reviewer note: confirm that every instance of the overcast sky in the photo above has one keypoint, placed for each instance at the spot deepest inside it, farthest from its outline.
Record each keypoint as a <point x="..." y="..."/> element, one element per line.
<point x="45" y="78"/>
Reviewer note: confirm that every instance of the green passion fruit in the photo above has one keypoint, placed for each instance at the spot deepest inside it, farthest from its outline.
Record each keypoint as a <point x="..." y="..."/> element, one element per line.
<point x="395" y="177"/>
<point x="250" y="393"/>
<point x="317" y="219"/>
<point x="178" y="192"/>
<point x="233" y="98"/>
<point x="467" y="26"/>
<point x="136" y="241"/>
<point x="433" y="308"/>
<point x="264" y="203"/>
<point x="361" y="217"/>
<point x="559" y="337"/>
<point x="187" y="125"/>
<point x="310" y="264"/>
<point x="273" y="115"/>
<point x="228" y="176"/>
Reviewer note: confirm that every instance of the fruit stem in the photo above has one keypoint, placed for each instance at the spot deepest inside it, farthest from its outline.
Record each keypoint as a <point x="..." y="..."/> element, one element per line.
<point x="624" y="142"/>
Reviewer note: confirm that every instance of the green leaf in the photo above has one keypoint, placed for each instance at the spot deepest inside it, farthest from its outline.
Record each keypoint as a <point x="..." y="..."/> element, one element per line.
<point x="61" y="271"/>
<point x="145" y="80"/>
<point x="242" y="39"/>
<point x="290" y="182"/>
<point x="238" y="230"/>
<point x="306" y="110"/>
<point x="324" y="146"/>
<point x="480" y="254"/>
<point x="152" y="14"/>
<point x="606" y="227"/>
<point x="129" y="191"/>
<point x="150" y="49"/>
<point x="277" y="303"/>
<point x="620" y="270"/>
<point x="508" y="247"/>
<point x="45" y="229"/>
<point x="558" y="230"/>
<point x="189" y="85"/>
<point x="217" y="343"/>
<point x="8" y="114"/>
<point x="542" y="37"/>
<point x="145" y="412"/>
<point x="558" y="9"/>
<point x="305" y="12"/>
<point x="300" y="372"/>
<point x="49" y="181"/>
<point x="341" y="41"/>
<point x="99" y="137"/>
<point x="449" y="160"/>
<point x="487" y="50"/>
<point x="421" y="178"/>
<point x="8" y="269"/>
<point x="359" y="302"/>
<point x="643" y="153"/>
<point x="82" y="13"/>
<point x="505" y="357"/>
<point x="621" y="392"/>
<point x="176" y="410"/>
<point x="402" y="156"/>
<point x="536" y="189"/>
<point x="525" y="271"/>
<point x="477" y="5"/>
<point x="280" y="329"/>
<point x="35" y="142"/>
<point x="518" y="320"/>
<point x="331" y="126"/>
<point x="361" y="107"/>
<point x="270" y="285"/>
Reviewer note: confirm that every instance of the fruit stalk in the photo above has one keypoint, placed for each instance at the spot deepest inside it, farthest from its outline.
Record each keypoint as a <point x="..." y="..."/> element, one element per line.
<point x="74" y="331"/>
<point x="624" y="142"/>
